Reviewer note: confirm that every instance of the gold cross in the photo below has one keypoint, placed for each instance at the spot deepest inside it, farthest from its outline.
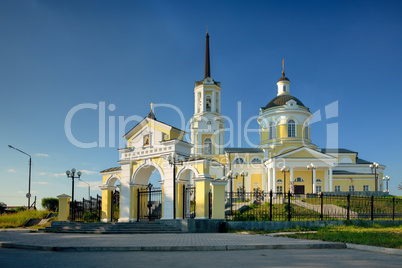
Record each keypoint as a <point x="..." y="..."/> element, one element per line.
<point x="152" y="106"/>
<point x="283" y="65"/>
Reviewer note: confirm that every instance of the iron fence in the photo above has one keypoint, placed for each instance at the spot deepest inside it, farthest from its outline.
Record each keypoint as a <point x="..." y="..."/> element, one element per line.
<point x="260" y="206"/>
<point x="86" y="210"/>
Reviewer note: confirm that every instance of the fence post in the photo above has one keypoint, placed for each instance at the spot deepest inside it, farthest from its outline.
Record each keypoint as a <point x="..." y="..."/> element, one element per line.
<point x="372" y="207"/>
<point x="347" y="217"/>
<point x="393" y="208"/>
<point x="289" y="214"/>
<point x="270" y="205"/>
<point x="322" y="206"/>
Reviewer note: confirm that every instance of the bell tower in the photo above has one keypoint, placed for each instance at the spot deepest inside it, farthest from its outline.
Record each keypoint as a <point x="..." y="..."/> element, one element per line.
<point x="207" y="124"/>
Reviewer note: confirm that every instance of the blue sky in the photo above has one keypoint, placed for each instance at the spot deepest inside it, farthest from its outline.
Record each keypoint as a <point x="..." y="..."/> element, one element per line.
<point x="55" y="55"/>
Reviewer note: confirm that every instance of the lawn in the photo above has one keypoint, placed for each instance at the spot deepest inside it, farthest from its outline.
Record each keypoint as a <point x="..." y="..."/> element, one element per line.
<point x="376" y="235"/>
<point x="18" y="219"/>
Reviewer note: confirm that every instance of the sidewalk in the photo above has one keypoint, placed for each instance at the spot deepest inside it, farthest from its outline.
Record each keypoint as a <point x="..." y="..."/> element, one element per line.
<point x="24" y="239"/>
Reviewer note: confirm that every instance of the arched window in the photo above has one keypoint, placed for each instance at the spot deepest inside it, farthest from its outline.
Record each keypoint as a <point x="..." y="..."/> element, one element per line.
<point x="199" y="102"/>
<point x="239" y="160"/>
<point x="318" y="180"/>
<point x="272" y="131"/>
<point x="306" y="132"/>
<point x="208" y="104"/>
<point x="298" y="179"/>
<point x="207" y="146"/>
<point x="256" y="160"/>
<point x="291" y="128"/>
<point x="279" y="181"/>
<point x="284" y="88"/>
<point x="217" y="102"/>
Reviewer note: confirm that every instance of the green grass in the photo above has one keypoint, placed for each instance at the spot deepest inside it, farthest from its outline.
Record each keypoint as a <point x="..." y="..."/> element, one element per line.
<point x="376" y="235"/>
<point x="18" y="219"/>
<point x="359" y="203"/>
<point x="255" y="212"/>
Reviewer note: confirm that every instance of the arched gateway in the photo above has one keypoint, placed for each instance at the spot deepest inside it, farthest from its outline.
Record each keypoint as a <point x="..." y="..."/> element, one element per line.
<point x="155" y="146"/>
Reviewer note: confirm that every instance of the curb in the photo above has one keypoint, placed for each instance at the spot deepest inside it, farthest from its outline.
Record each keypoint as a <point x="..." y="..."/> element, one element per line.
<point x="176" y="248"/>
<point x="391" y="251"/>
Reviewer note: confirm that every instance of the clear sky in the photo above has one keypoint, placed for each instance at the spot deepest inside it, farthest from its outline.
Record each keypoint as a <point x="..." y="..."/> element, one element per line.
<point x="123" y="55"/>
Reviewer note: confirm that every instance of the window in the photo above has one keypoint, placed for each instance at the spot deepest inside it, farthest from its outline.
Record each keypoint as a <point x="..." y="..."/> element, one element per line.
<point x="298" y="179"/>
<point x="306" y="132"/>
<point x="318" y="189"/>
<point x="337" y="188"/>
<point x="272" y="131"/>
<point x="279" y="181"/>
<point x="217" y="102"/>
<point x="351" y="188"/>
<point x="199" y="102"/>
<point x="208" y="146"/>
<point x="208" y="104"/>
<point x="318" y="180"/>
<point x="279" y="189"/>
<point x="291" y="128"/>
<point x="239" y="160"/>
<point x="366" y="188"/>
<point x="284" y="88"/>
<point x="256" y="161"/>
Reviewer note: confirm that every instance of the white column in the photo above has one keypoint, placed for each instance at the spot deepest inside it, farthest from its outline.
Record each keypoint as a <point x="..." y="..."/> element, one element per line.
<point x="330" y="180"/>
<point x="291" y="179"/>
<point x="167" y="191"/>
<point x="274" y="179"/>
<point x="269" y="180"/>
<point x="263" y="180"/>
<point x="314" y="177"/>
<point x="326" y="181"/>
<point x="125" y="204"/>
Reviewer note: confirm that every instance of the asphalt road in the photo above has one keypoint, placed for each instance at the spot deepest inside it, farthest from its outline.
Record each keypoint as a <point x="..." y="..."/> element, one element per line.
<point x="221" y="259"/>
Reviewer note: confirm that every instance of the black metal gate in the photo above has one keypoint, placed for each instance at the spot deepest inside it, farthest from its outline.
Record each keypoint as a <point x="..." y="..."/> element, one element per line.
<point x="115" y="206"/>
<point x="189" y="202"/>
<point x="149" y="204"/>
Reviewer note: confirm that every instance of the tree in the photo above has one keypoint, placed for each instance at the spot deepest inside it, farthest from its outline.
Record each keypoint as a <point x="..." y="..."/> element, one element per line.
<point x="50" y="203"/>
<point x="2" y="207"/>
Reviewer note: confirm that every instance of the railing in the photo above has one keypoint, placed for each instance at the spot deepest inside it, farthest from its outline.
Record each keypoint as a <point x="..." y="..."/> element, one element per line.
<point x="260" y="206"/>
<point x="87" y="210"/>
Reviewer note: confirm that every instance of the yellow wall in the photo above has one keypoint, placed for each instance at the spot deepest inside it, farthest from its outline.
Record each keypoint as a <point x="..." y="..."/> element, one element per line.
<point x="256" y="178"/>
<point x="345" y="182"/>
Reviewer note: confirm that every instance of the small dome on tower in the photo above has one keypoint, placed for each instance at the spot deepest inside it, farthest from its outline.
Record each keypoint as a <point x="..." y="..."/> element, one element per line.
<point x="282" y="100"/>
<point x="283" y="78"/>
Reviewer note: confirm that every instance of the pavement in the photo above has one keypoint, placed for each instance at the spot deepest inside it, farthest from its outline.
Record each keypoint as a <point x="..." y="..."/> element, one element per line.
<point x="27" y="239"/>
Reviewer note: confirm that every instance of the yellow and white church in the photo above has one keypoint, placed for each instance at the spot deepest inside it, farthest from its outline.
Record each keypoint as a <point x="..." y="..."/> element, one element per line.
<point x="285" y="160"/>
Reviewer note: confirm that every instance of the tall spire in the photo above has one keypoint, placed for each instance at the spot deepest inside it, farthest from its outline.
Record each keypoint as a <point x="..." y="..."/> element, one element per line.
<point x="207" y="66"/>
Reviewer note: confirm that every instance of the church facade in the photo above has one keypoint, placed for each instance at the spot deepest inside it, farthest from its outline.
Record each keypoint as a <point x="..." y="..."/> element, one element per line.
<point x="286" y="159"/>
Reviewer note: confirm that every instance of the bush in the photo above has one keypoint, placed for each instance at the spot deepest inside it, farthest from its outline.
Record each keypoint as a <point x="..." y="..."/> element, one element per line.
<point x="50" y="203"/>
<point x="2" y="207"/>
<point x="90" y="217"/>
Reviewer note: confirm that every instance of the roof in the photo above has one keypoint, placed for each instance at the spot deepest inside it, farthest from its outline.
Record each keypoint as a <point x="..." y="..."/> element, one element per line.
<point x="282" y="100"/>
<point x="362" y="161"/>
<point x="337" y="150"/>
<point x="345" y="172"/>
<point x="243" y="150"/>
<point x="111" y="169"/>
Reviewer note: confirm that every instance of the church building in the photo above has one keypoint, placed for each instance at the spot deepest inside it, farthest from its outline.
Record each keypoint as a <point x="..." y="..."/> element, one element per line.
<point x="285" y="161"/>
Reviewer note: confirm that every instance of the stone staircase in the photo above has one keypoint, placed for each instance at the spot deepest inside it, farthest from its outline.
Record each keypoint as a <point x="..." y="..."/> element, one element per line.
<point x="110" y="228"/>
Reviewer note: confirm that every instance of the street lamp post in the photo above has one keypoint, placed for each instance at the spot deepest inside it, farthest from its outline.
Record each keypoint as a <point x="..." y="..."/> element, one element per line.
<point x="89" y="188"/>
<point x="28" y="195"/>
<point x="374" y="167"/>
<point x="312" y="167"/>
<point x="71" y="174"/>
<point x="386" y="178"/>
<point x="229" y="175"/>
<point x="173" y="160"/>
<point x="244" y="174"/>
